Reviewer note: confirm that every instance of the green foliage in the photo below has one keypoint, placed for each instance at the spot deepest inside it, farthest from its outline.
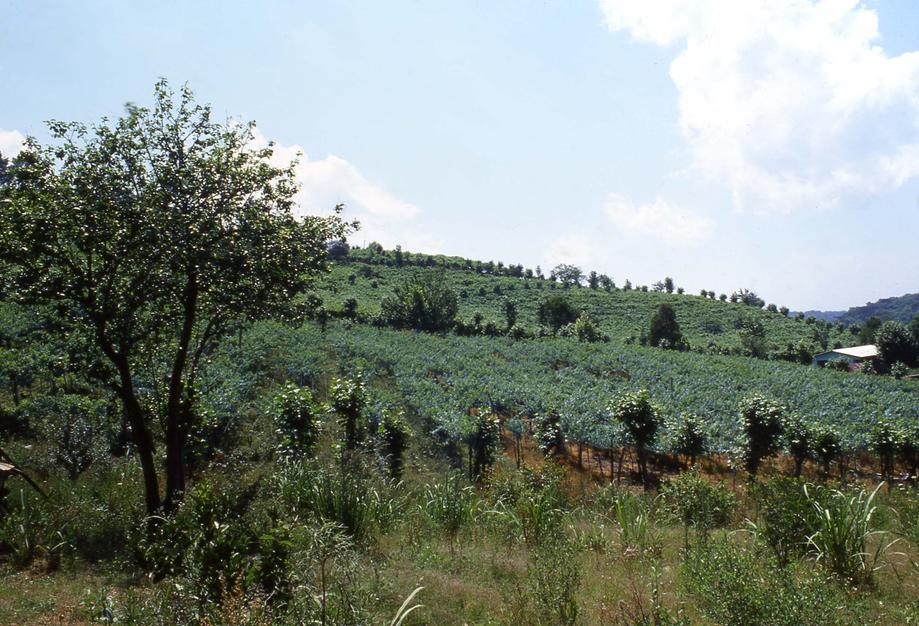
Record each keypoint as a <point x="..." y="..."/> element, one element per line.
<point x="665" y="331"/>
<point x="421" y="303"/>
<point x="152" y="234"/>
<point x="846" y="539"/>
<point x="697" y="503"/>
<point x="895" y="343"/>
<point x="800" y="439"/>
<point x="296" y="422"/>
<point x="553" y="583"/>
<point x="786" y="517"/>
<point x="393" y="434"/>
<point x="884" y="441"/>
<point x="641" y="419"/>
<point x="450" y="504"/>
<point x="761" y="420"/>
<point x="827" y="446"/>
<point x="555" y="312"/>
<point x="482" y="440"/>
<point x="686" y="435"/>
<point x="587" y="330"/>
<point x="633" y="517"/>
<point x="737" y="587"/>
<point x="347" y="398"/>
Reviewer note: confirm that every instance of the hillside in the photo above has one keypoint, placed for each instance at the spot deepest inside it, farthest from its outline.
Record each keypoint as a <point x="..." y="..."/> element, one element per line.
<point x="901" y="308"/>
<point x="708" y="324"/>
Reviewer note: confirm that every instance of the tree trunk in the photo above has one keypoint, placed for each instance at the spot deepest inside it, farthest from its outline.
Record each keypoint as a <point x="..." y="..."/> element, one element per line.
<point x="178" y="411"/>
<point x="140" y="435"/>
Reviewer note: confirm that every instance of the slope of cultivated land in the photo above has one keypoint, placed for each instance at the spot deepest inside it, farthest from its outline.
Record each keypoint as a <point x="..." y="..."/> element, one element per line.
<point x="706" y="323"/>
<point x="442" y="377"/>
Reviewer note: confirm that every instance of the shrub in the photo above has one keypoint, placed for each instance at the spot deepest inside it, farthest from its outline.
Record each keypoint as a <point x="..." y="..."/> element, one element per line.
<point x="737" y="587"/>
<point x="421" y="303"/>
<point x="687" y="436"/>
<point x="799" y="438"/>
<point x="697" y="503"/>
<point x="347" y="398"/>
<point x="641" y="419"/>
<point x="450" y="504"/>
<point x="786" y="517"/>
<point x="827" y="446"/>
<point x="587" y="330"/>
<point x="664" y="327"/>
<point x="554" y="581"/>
<point x="555" y="312"/>
<point x="296" y="422"/>
<point x="393" y="433"/>
<point x="761" y="420"/>
<point x="884" y="441"/>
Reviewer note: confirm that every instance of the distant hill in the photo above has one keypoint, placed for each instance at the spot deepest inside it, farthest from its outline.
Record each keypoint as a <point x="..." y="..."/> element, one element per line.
<point x="365" y="276"/>
<point x="902" y="308"/>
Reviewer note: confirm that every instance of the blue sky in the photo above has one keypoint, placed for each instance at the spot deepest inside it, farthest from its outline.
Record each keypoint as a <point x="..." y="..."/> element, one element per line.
<point x="727" y="143"/>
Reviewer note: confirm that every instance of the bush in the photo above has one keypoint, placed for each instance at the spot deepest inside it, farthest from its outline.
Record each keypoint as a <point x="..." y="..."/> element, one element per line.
<point x="737" y="587"/>
<point x="555" y="312"/>
<point x="450" y="504"/>
<point x="799" y="438"/>
<point x="761" y="420"/>
<point x="686" y="435"/>
<point x="422" y="303"/>
<point x="393" y="433"/>
<point x="347" y="398"/>
<point x="884" y="441"/>
<point x="697" y="503"/>
<point x="641" y="419"/>
<point x="296" y="422"/>
<point x="664" y="328"/>
<point x="554" y="581"/>
<point x="786" y="517"/>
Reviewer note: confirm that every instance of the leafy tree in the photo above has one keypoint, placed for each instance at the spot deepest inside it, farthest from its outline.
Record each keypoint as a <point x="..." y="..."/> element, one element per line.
<point x="664" y="285"/>
<point x="549" y="435"/>
<point x="687" y="437"/>
<point x="664" y="327"/>
<point x="762" y="422"/>
<point x="627" y="286"/>
<point x="608" y="285"/>
<point x="895" y="343"/>
<point x="296" y="421"/>
<point x="421" y="303"/>
<point x="152" y="235"/>
<point x="587" y="330"/>
<point x="555" y="312"/>
<point x="510" y="312"/>
<point x="393" y="433"/>
<point x="784" y="311"/>
<point x="827" y="446"/>
<point x="482" y="439"/>
<point x="745" y="296"/>
<point x="884" y="441"/>
<point x="753" y="337"/>
<point x="641" y="419"/>
<point x="347" y="399"/>
<point x="567" y="275"/>
<point x="866" y="334"/>
<point x="914" y="329"/>
<point x="799" y="437"/>
<point x="593" y="280"/>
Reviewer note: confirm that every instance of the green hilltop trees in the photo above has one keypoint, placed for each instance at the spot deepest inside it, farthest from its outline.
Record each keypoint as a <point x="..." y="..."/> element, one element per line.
<point x="152" y="235"/>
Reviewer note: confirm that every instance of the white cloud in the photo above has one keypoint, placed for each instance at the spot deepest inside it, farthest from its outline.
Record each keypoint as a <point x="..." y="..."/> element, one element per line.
<point x="574" y="248"/>
<point x="789" y="103"/>
<point x="668" y="222"/>
<point x="11" y="142"/>
<point x="333" y="180"/>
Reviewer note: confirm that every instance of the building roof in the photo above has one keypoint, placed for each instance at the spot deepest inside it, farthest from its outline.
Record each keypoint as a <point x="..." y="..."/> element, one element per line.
<point x="869" y="351"/>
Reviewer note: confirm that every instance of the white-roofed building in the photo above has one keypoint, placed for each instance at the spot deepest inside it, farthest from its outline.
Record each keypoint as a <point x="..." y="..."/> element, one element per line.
<point x="852" y="356"/>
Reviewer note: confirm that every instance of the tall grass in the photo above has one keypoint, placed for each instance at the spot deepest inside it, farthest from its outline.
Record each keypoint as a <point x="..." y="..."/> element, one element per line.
<point x="846" y="540"/>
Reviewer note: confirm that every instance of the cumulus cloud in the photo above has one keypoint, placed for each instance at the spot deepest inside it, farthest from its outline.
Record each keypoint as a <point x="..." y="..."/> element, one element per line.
<point x="660" y="219"/>
<point x="11" y="142"/>
<point x="332" y="180"/>
<point x="789" y="103"/>
<point x="574" y="248"/>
